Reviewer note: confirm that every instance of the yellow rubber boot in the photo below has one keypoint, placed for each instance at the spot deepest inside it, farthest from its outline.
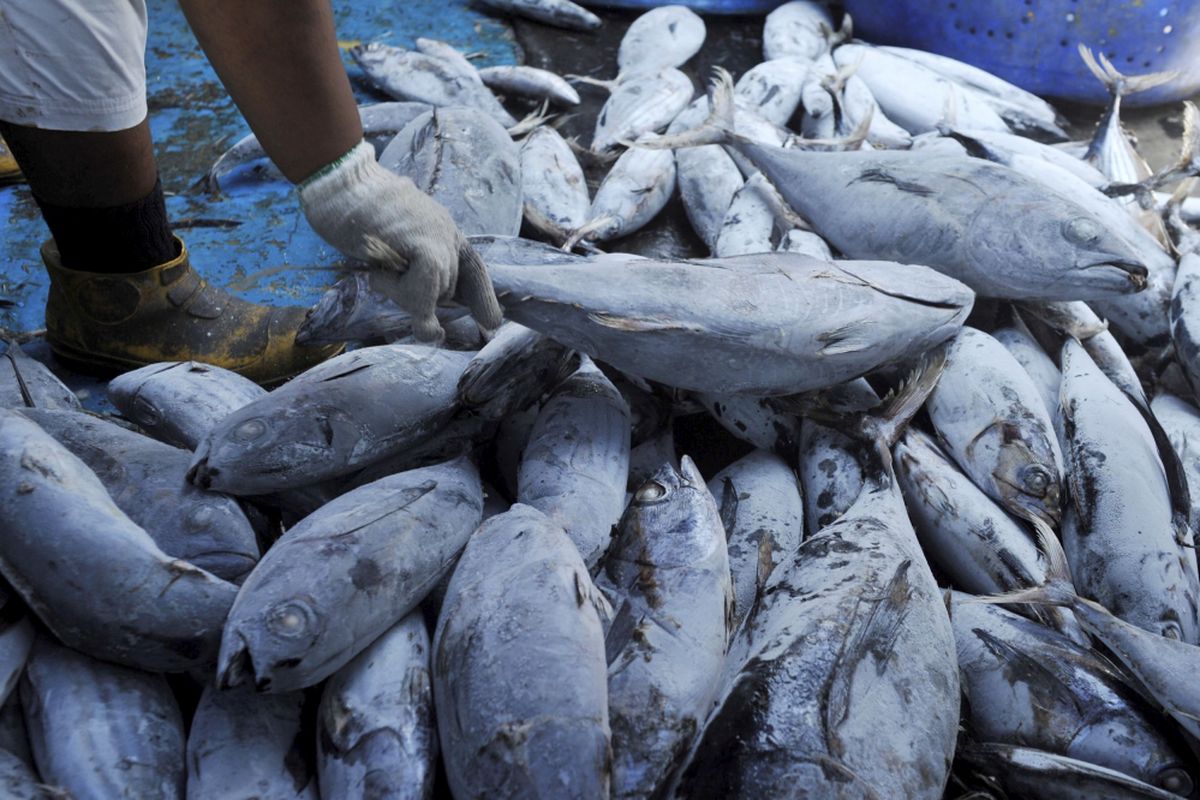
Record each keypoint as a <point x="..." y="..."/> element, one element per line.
<point x="115" y="322"/>
<point x="9" y="171"/>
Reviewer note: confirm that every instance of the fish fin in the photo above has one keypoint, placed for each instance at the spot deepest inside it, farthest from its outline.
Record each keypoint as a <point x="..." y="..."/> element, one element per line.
<point x="1028" y="664"/>
<point x="1185" y="168"/>
<point x="950" y="109"/>
<point x="975" y="148"/>
<point x="1176" y="474"/>
<point x="844" y="339"/>
<point x="620" y="632"/>
<point x="597" y="82"/>
<point x="718" y="128"/>
<point x="1118" y="84"/>
<point x="14" y="354"/>
<point x="882" y="175"/>
<point x="836" y="83"/>
<point x="1058" y="590"/>
<point x="728" y="506"/>
<point x="766" y="560"/>
<point x="637" y="324"/>
<point x="535" y="119"/>
<point x="902" y="403"/>
<point x="587" y="230"/>
<point x="877" y="634"/>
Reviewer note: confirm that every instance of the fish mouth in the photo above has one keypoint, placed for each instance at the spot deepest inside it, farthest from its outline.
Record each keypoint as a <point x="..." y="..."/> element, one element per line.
<point x="228" y="565"/>
<point x="234" y="664"/>
<point x="1135" y="272"/>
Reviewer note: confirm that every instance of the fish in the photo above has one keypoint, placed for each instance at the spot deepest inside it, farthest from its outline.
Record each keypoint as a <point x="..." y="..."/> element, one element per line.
<point x="962" y="531"/>
<point x="1185" y="317"/>
<point x="325" y="424"/>
<point x="963" y="216"/>
<point x="755" y="325"/>
<point x="14" y="739"/>
<point x="28" y="383"/>
<point x="467" y="162"/>
<point x="639" y="103"/>
<point x="91" y="575"/>
<point x="856" y="106"/>
<point x="798" y="29"/>
<point x="1181" y="421"/>
<point x="540" y="84"/>
<point x="512" y="372"/>
<point x="773" y="88"/>
<point x="381" y="122"/>
<point x="553" y="185"/>
<point x="851" y="624"/>
<point x="667" y="36"/>
<point x="749" y="225"/>
<point x="1021" y="344"/>
<point x="831" y="473"/>
<point x="382" y="548"/>
<point x="519" y="678"/>
<point x="146" y="480"/>
<point x="560" y="13"/>
<point x="756" y="421"/>
<point x="244" y="744"/>
<point x="913" y="96"/>
<point x="708" y="180"/>
<point x="819" y="120"/>
<point x="421" y="78"/>
<point x="90" y="722"/>
<point x="17" y="780"/>
<point x="451" y="55"/>
<point x="575" y="466"/>
<point x="988" y="412"/>
<point x="1038" y="775"/>
<point x="668" y="580"/>
<point x="518" y="251"/>
<point x="178" y="402"/>
<point x="805" y="243"/>
<point x="1030" y="686"/>
<point x="1024" y="112"/>
<point x="762" y="511"/>
<point x="649" y="456"/>
<point x="635" y="191"/>
<point x="1003" y="146"/>
<point x="375" y="727"/>
<point x="1150" y="579"/>
<point x="16" y="640"/>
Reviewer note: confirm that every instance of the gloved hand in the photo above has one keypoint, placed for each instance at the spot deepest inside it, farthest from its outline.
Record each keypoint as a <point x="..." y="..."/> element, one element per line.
<point x="369" y="213"/>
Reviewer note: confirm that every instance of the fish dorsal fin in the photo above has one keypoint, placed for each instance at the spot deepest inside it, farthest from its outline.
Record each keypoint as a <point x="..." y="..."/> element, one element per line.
<point x="620" y="632"/>
<point x="882" y="174"/>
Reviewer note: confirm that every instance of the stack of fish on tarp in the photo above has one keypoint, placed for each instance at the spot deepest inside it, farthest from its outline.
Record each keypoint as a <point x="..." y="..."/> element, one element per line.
<point x="490" y="561"/>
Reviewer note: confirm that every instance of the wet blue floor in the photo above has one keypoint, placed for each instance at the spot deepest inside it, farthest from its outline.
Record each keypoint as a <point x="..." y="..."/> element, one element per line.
<point x="267" y="253"/>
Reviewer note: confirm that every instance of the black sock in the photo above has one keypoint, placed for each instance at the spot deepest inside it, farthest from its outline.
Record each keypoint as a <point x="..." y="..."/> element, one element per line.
<point x="129" y="238"/>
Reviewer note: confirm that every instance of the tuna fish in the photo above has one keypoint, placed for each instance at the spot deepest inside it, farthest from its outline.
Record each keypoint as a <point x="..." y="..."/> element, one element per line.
<point x="555" y="191"/>
<point x="1039" y="775"/>
<point x="642" y="102"/>
<point x="799" y="29"/>
<point x="633" y="193"/>
<point x="667" y="36"/>
<point x="28" y="383"/>
<point x="561" y="13"/>
<point x="539" y="84"/>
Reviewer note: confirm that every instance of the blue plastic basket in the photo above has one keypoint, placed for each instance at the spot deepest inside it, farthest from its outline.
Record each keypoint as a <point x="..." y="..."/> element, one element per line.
<point x="730" y="7"/>
<point x="1033" y="43"/>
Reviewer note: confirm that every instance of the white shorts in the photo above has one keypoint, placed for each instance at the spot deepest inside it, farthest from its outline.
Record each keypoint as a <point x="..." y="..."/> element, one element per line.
<point x="73" y="65"/>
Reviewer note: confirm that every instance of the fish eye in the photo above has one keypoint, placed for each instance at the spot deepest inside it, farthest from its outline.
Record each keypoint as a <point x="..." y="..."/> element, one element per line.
<point x="200" y="518"/>
<point x="1081" y="230"/>
<point x="1036" y="481"/>
<point x="291" y="619"/>
<point x="650" y="491"/>
<point x="1176" y="781"/>
<point x="1171" y="630"/>
<point x="250" y="430"/>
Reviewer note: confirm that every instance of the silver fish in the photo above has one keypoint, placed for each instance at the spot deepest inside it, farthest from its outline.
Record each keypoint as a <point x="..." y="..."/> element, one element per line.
<point x="952" y="213"/>
<point x="28" y="383"/>
<point x="755" y="420"/>
<point x="913" y="96"/>
<point x="773" y="88"/>
<point x="99" y="730"/>
<point x="1181" y="421"/>
<point x="561" y="13"/>
<point x="178" y="402"/>
<point x="95" y="578"/>
<point x="820" y="108"/>
<point x="463" y="159"/>
<point x="539" y="84"/>
<point x="1150" y="579"/>
<point x="763" y="515"/>
<point x="16" y="640"/>
<point x="417" y="77"/>
<point x="749" y="225"/>
<point x="1018" y="341"/>
<point x="576" y="465"/>
<point x="668" y="580"/>
<point x="676" y="323"/>
<point x="1023" y="111"/>
<point x="831" y="473"/>
<point x="146" y="480"/>
<point x="856" y="105"/>
<point x="248" y="745"/>
<point x="1185" y="317"/>
<point x="964" y="533"/>
<point x="325" y="423"/>
<point x="518" y="666"/>
<point x="634" y="192"/>
<point x="376" y="735"/>
<point x="382" y="546"/>
<point x="451" y="55"/>
<point x="805" y="243"/>
<point x="708" y="179"/>
<point x="798" y="29"/>
<point x="995" y="425"/>
<point x="512" y="371"/>
<point x="667" y="36"/>
<point x="1030" y="686"/>
<point x="358" y="308"/>
<point x="1038" y="775"/>
<point x="641" y="102"/>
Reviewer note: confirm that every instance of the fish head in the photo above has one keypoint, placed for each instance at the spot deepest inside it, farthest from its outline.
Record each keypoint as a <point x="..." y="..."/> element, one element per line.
<point x="1027" y="475"/>
<point x="220" y="539"/>
<point x="260" y="647"/>
<point x="1140" y="750"/>
<point x="672" y="520"/>
<point x="1064" y="237"/>
<point x="261" y="450"/>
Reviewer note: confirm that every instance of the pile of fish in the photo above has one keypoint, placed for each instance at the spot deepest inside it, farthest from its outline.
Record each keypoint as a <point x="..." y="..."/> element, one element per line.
<point x="935" y="538"/>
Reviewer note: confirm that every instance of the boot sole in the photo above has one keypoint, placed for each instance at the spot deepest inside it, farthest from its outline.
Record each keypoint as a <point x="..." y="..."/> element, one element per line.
<point x="101" y="366"/>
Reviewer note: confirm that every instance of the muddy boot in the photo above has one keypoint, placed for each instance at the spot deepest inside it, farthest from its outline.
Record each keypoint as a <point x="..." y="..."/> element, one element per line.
<point x="103" y="322"/>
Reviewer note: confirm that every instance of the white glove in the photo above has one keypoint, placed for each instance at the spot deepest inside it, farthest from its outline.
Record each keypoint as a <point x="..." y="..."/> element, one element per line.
<point x="369" y="213"/>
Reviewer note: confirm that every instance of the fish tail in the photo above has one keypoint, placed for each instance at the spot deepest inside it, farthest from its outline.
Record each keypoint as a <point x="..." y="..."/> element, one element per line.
<point x="586" y="230"/>
<point x="903" y="403"/>
<point x="532" y="121"/>
<point x="836" y="83"/>
<point x="1057" y="590"/>
<point x="602" y="84"/>
<point x="1120" y="85"/>
<point x="718" y="128"/>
